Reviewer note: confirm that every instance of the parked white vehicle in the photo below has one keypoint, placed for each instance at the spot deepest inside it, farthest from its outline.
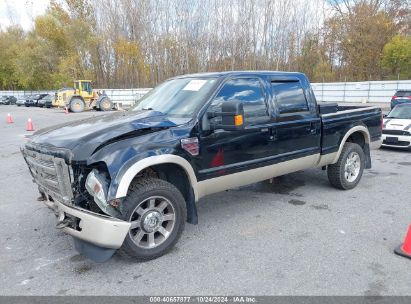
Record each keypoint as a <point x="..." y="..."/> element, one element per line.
<point x="397" y="127"/>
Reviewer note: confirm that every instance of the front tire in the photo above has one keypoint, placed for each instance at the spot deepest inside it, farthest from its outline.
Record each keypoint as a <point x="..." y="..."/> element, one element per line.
<point x="347" y="172"/>
<point x="158" y="213"/>
<point x="106" y="105"/>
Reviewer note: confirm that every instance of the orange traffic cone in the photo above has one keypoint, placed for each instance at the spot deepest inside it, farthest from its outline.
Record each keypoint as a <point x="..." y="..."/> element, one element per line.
<point x="29" y="125"/>
<point x="66" y="111"/>
<point x="9" y="118"/>
<point x="405" y="249"/>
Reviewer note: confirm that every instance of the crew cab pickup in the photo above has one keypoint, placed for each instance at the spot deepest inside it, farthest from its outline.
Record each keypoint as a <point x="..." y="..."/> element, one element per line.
<point x="130" y="180"/>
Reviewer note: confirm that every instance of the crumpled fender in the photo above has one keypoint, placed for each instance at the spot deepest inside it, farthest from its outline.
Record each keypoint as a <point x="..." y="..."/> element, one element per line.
<point x="120" y="156"/>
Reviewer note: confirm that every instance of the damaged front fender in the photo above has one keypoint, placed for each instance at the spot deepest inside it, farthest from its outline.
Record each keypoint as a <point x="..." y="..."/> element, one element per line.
<point x="120" y="156"/>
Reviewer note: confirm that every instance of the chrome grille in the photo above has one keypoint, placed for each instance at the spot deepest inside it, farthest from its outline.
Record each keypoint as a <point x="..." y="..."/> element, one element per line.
<point x="51" y="174"/>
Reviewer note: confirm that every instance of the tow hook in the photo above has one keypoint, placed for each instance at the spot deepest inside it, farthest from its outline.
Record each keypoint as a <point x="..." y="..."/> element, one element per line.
<point x="64" y="223"/>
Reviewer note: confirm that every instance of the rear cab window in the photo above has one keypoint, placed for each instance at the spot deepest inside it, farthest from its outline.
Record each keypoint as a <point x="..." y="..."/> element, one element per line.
<point x="289" y="97"/>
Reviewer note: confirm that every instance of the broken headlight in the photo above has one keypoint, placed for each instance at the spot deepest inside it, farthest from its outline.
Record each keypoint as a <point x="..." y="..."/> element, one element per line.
<point x="96" y="185"/>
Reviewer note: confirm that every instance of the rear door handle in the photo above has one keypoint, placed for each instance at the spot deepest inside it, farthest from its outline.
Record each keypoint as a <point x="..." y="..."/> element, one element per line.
<point x="312" y="128"/>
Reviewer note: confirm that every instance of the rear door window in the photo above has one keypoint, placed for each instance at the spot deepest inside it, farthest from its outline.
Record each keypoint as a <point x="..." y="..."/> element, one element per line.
<point x="289" y="97"/>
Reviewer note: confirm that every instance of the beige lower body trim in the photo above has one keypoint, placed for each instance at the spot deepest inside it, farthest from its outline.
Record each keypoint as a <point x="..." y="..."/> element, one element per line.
<point x="97" y="229"/>
<point x="327" y="159"/>
<point x="239" y="179"/>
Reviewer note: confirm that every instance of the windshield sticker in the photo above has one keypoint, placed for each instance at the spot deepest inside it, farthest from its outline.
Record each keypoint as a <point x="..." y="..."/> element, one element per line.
<point x="194" y="85"/>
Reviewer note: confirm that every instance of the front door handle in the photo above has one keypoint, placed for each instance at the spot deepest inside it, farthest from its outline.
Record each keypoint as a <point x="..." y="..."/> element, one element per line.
<point x="273" y="135"/>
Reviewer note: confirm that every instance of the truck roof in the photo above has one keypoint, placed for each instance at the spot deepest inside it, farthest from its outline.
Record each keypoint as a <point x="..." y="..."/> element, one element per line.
<point x="244" y="73"/>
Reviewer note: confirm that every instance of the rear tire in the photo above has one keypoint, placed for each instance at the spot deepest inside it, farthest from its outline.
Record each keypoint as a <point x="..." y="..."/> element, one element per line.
<point x="158" y="212"/>
<point x="76" y="105"/>
<point x="347" y="172"/>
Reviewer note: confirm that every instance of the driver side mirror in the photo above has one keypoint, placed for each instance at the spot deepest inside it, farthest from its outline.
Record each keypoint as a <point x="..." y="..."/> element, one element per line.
<point x="232" y="116"/>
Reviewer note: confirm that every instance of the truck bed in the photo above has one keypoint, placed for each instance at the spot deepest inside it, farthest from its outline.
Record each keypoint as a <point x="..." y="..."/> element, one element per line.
<point x="337" y="120"/>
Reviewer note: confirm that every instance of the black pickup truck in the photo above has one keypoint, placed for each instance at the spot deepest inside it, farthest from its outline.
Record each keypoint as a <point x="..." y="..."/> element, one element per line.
<point x="131" y="180"/>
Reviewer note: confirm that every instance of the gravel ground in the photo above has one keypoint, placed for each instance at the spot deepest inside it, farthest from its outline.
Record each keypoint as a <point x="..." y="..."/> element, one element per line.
<point x="296" y="236"/>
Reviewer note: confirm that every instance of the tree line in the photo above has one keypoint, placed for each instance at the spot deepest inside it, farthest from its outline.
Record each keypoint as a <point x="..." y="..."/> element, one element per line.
<point x="139" y="43"/>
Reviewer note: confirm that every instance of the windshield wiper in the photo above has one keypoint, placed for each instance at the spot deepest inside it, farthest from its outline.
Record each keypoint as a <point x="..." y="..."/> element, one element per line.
<point x="147" y="109"/>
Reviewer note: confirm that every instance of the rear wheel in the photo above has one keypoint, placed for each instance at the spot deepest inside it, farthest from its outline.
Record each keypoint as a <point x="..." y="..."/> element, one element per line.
<point x="106" y="104"/>
<point x="347" y="172"/>
<point x="77" y="105"/>
<point x="157" y="212"/>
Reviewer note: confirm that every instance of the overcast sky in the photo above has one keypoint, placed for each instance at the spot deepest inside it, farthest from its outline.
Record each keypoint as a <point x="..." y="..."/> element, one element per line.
<point x="21" y="12"/>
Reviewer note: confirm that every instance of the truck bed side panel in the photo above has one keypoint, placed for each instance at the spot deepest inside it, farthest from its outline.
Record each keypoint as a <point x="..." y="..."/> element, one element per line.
<point x="336" y="125"/>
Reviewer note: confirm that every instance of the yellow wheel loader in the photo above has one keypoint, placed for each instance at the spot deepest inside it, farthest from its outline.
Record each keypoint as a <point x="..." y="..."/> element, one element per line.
<point x="82" y="97"/>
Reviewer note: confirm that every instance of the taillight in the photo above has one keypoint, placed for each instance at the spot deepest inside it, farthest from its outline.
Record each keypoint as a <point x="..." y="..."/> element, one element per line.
<point x="409" y="97"/>
<point x="191" y="145"/>
<point x="394" y="97"/>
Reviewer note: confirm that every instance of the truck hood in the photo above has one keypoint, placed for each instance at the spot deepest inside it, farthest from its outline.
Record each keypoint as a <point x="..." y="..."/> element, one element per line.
<point x="91" y="133"/>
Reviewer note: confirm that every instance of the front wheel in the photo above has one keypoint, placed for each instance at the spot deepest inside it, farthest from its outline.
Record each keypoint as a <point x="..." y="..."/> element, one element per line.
<point x="157" y="212"/>
<point x="347" y="172"/>
<point x="106" y="105"/>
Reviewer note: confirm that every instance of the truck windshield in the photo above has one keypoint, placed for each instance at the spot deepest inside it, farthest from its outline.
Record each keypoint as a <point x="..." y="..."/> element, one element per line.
<point x="181" y="97"/>
<point x="402" y="112"/>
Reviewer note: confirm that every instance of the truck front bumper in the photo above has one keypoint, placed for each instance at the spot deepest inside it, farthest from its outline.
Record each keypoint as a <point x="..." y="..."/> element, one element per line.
<point x="99" y="230"/>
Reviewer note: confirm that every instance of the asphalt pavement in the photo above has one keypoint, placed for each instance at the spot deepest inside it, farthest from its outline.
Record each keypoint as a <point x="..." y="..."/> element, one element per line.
<point x="296" y="236"/>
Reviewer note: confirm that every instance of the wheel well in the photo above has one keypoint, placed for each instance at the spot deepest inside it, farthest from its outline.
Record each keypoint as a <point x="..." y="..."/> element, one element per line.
<point x="176" y="175"/>
<point x="357" y="138"/>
